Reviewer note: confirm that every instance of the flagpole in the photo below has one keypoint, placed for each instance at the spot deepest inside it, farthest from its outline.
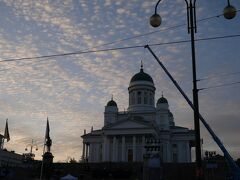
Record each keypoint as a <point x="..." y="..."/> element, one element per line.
<point x="42" y="160"/>
<point x="43" y="154"/>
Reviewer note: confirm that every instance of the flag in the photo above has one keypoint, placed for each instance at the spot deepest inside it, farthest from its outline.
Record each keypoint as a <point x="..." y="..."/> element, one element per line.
<point x="6" y="133"/>
<point x="47" y="131"/>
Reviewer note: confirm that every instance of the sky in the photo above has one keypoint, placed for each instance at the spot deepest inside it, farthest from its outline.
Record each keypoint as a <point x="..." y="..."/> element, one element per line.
<point x="72" y="91"/>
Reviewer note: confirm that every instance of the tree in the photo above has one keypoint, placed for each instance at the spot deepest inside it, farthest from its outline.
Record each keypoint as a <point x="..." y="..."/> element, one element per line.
<point x="71" y="160"/>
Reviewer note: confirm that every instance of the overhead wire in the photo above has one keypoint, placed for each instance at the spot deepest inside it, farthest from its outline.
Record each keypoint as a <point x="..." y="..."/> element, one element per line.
<point x="156" y="31"/>
<point x="30" y="63"/>
<point x="40" y="59"/>
<point x="88" y="50"/>
<point x="218" y="86"/>
<point x="115" y="49"/>
<point x="218" y="75"/>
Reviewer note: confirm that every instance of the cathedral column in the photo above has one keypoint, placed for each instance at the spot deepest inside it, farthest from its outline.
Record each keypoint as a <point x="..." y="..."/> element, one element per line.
<point x="143" y="146"/>
<point x="83" y="152"/>
<point x="105" y="149"/>
<point x="169" y="152"/>
<point x="123" y="148"/>
<point x="90" y="152"/>
<point x="114" y="149"/>
<point x="87" y="147"/>
<point x="134" y="148"/>
<point x="188" y="152"/>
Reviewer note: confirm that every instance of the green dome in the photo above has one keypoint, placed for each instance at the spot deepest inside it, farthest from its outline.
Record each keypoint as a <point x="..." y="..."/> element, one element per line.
<point x="141" y="76"/>
<point x="162" y="100"/>
<point x="112" y="103"/>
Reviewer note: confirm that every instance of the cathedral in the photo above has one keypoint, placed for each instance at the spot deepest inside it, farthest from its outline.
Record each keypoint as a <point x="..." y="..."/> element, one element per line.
<point x="127" y="136"/>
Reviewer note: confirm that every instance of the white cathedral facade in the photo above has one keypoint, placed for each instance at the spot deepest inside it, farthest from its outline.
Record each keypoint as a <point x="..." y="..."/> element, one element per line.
<point x="127" y="136"/>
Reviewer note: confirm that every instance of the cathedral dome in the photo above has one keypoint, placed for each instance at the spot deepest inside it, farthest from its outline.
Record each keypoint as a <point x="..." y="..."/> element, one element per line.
<point x="141" y="92"/>
<point x="141" y="76"/>
<point x="162" y="100"/>
<point x="112" y="103"/>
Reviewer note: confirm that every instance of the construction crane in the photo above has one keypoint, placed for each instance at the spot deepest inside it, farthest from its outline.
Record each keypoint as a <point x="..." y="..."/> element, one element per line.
<point x="234" y="168"/>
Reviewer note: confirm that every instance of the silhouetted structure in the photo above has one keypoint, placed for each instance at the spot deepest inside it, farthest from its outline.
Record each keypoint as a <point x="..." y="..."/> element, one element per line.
<point x="47" y="156"/>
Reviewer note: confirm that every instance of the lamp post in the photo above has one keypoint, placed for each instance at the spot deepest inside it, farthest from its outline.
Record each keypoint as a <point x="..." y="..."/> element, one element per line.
<point x="30" y="155"/>
<point x="155" y="21"/>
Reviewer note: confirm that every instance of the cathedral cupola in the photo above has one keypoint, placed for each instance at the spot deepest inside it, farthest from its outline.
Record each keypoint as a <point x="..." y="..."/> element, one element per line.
<point x="163" y="115"/>
<point x="111" y="111"/>
<point x="111" y="106"/>
<point x="112" y="103"/>
<point x="141" y="76"/>
<point x="162" y="100"/>
<point x="162" y="103"/>
<point x="141" y="92"/>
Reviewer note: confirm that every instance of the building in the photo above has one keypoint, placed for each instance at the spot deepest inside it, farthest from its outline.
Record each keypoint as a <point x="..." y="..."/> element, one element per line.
<point x="124" y="135"/>
<point x="10" y="159"/>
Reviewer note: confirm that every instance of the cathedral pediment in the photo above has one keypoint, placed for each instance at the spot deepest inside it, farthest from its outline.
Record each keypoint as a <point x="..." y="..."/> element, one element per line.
<point x="130" y="123"/>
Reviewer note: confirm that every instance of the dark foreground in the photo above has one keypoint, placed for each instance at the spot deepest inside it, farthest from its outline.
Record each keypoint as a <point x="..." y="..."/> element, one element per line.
<point x="117" y="171"/>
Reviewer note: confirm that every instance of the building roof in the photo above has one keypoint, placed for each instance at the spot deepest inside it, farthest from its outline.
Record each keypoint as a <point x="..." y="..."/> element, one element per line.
<point x="141" y="76"/>
<point x="97" y="132"/>
<point x="162" y="100"/>
<point x="112" y="103"/>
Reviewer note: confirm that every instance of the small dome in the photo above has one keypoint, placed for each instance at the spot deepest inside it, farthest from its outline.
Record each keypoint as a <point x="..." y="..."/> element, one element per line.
<point x="112" y="103"/>
<point x="162" y="100"/>
<point x="141" y="76"/>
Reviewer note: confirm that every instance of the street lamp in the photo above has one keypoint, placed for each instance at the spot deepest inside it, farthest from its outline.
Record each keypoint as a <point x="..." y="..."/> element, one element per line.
<point x="30" y="155"/>
<point x="229" y="11"/>
<point x="155" y="21"/>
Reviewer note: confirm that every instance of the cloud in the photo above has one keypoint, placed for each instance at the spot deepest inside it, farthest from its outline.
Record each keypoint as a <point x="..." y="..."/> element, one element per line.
<point x="73" y="90"/>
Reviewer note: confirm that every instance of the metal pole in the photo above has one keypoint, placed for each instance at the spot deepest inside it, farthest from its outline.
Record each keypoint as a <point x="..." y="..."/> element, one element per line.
<point x="31" y="147"/>
<point x="41" y="172"/>
<point x="199" y="172"/>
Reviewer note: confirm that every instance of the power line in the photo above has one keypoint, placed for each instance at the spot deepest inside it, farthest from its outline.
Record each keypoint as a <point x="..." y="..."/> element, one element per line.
<point x="34" y="62"/>
<point x="115" y="49"/>
<point x="218" y="75"/>
<point x="221" y="85"/>
<point x="117" y="41"/>
<point x="153" y="32"/>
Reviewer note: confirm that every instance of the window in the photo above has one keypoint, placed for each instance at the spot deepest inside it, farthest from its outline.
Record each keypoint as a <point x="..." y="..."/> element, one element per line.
<point x="145" y="97"/>
<point x="139" y="97"/>
<point x="151" y="99"/>
<point x="133" y="98"/>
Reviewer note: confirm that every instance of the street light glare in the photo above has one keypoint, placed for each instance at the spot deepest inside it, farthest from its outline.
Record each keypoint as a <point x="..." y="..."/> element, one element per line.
<point x="155" y="20"/>
<point x="229" y="12"/>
